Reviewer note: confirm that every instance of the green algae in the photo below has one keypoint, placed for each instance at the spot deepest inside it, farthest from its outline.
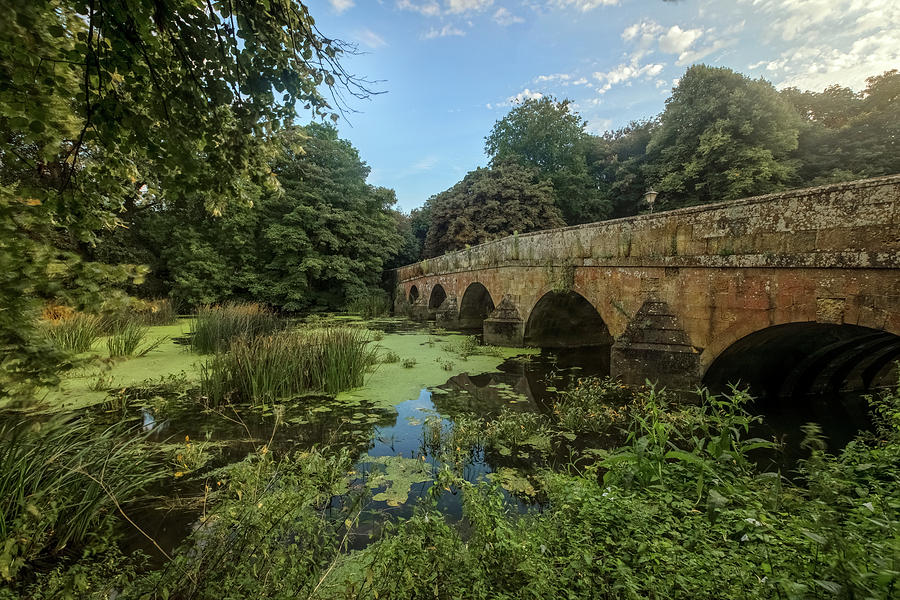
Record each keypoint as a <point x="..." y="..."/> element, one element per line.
<point x="75" y="389"/>
<point x="397" y="475"/>
<point x="392" y="384"/>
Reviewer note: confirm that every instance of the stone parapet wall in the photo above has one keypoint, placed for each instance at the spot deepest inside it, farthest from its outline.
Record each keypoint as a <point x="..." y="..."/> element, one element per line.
<point x="848" y="225"/>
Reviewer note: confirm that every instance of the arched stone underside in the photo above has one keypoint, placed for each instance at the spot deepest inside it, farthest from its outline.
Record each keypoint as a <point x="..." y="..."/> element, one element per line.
<point x="438" y="295"/>
<point x="798" y="359"/>
<point x="687" y="293"/>
<point x="476" y="306"/>
<point x="565" y="320"/>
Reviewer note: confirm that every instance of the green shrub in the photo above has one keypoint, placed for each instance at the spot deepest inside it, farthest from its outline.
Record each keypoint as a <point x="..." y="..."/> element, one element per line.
<point x="74" y="333"/>
<point x="265" y="368"/>
<point x="390" y="357"/>
<point x="215" y="326"/>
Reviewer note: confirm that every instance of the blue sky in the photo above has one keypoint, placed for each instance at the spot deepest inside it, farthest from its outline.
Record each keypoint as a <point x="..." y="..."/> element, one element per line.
<point x="451" y="68"/>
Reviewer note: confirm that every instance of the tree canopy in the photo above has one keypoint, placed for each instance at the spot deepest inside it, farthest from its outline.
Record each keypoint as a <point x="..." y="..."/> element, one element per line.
<point x="489" y="204"/>
<point x="544" y="134"/>
<point x="722" y="136"/>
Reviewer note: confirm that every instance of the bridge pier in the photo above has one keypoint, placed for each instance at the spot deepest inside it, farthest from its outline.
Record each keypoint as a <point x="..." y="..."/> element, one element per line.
<point x="504" y="326"/>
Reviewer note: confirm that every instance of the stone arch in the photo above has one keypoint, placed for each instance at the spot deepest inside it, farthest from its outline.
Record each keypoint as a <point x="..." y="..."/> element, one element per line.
<point x="437" y="297"/>
<point x="806" y="358"/>
<point x="413" y="294"/>
<point x="476" y="306"/>
<point x="565" y="319"/>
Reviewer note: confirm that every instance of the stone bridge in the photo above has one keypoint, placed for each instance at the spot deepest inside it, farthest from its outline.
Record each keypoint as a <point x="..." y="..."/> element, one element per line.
<point x="793" y="292"/>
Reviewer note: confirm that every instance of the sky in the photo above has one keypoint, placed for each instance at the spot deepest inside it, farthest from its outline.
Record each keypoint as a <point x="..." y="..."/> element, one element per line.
<point x="449" y="69"/>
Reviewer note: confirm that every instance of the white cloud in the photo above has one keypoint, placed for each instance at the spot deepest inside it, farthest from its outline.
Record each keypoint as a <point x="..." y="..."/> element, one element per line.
<point x="466" y="6"/>
<point x="584" y="5"/>
<point x="505" y="18"/>
<point x="445" y="31"/>
<point x="692" y="56"/>
<point x="371" y="39"/>
<point x="676" y="40"/>
<point x="599" y="127"/>
<point x="342" y="5"/>
<point x="553" y="77"/>
<point x="625" y="73"/>
<point x="428" y="8"/>
<point x="525" y="94"/>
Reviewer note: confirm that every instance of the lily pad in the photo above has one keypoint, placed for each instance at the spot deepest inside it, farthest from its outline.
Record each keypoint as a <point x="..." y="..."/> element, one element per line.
<point x="397" y="475"/>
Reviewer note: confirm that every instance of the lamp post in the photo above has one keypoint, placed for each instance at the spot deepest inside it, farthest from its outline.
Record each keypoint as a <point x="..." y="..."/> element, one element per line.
<point x="650" y="198"/>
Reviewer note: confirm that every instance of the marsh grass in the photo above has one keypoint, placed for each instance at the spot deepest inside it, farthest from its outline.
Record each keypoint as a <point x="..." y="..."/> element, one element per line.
<point x="216" y="326"/>
<point x="263" y="369"/>
<point x="127" y="341"/>
<point x="75" y="332"/>
<point x="370" y="306"/>
<point x="61" y="482"/>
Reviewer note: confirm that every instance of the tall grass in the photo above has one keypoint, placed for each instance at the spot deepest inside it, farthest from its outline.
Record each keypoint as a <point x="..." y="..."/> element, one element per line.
<point x="263" y="369"/>
<point x="129" y="338"/>
<point x="375" y="304"/>
<point x="60" y="483"/>
<point x="216" y="326"/>
<point x="76" y="332"/>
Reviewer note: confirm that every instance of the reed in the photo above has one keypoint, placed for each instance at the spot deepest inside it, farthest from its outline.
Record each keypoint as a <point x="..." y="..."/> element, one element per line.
<point x="127" y="340"/>
<point x="61" y="482"/>
<point x="372" y="305"/>
<point x="263" y="369"/>
<point x="216" y="326"/>
<point x="74" y="333"/>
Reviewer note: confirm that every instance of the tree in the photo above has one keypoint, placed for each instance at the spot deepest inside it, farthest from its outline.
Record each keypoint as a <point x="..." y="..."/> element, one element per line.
<point x="618" y="161"/>
<point x="326" y="238"/>
<point x="489" y="204"/>
<point x="112" y="106"/>
<point x="544" y="135"/>
<point x="722" y="136"/>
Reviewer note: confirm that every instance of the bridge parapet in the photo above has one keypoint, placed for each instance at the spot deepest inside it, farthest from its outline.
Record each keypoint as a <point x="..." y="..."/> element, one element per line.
<point x="826" y="257"/>
<point x="844" y="225"/>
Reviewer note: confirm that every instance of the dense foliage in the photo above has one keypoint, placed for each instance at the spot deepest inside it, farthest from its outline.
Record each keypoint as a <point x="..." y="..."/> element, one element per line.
<point x="488" y="204"/>
<point x="722" y="136"/>
<point x="111" y="108"/>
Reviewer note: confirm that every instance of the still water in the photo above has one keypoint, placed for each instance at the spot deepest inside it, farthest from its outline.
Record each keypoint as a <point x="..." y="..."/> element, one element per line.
<point x="395" y="459"/>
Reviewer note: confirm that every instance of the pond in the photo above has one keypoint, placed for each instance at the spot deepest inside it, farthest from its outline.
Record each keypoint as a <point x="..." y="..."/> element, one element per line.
<point x="399" y="426"/>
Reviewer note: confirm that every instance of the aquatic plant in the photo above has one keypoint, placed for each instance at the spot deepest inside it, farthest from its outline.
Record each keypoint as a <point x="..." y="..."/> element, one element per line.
<point x="128" y="339"/>
<point x="593" y="404"/>
<point x="370" y="305"/>
<point x="61" y="483"/>
<point x="408" y="363"/>
<point x="215" y="326"/>
<point x="390" y="357"/>
<point x="265" y="368"/>
<point x="76" y="332"/>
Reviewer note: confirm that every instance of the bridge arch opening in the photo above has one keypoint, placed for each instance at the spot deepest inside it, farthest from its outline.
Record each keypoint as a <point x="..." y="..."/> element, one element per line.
<point x="565" y="320"/>
<point x="438" y="295"/>
<point x="809" y="372"/>
<point x="413" y="294"/>
<point x="475" y="307"/>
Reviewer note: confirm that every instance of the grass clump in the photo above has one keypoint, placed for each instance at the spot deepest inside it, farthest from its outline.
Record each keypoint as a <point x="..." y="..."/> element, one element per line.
<point x="408" y="363"/>
<point x="216" y="326"/>
<point x="265" y="368"/>
<point x="75" y="332"/>
<point x="60" y="485"/>
<point x="390" y="357"/>
<point x="371" y="305"/>
<point x="127" y="341"/>
<point x="592" y="405"/>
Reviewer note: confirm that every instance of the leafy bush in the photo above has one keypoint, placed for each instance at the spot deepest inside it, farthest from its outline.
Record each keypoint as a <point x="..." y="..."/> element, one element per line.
<point x="215" y="326"/>
<point x="263" y="369"/>
<point x="74" y="333"/>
